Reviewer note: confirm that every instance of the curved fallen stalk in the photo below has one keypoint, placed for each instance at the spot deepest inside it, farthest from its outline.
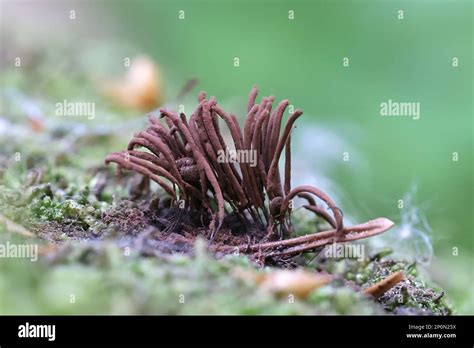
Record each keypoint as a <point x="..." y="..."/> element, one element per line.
<point x="320" y="194"/>
<point x="313" y="207"/>
<point x="297" y="245"/>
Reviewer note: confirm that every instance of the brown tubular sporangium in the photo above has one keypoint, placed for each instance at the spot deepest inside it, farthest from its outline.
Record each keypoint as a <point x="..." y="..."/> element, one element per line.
<point x="182" y="156"/>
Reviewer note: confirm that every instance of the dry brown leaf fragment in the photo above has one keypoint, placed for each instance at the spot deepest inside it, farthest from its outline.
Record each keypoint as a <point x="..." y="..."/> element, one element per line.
<point x="140" y="88"/>
<point x="381" y="287"/>
<point x="249" y="276"/>
<point x="299" y="283"/>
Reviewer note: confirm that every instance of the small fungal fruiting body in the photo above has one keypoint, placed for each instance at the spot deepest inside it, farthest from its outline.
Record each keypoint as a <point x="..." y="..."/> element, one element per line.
<point x="182" y="155"/>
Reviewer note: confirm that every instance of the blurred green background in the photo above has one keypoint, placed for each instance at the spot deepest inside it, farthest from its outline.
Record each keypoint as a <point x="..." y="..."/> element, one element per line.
<point x="407" y="60"/>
